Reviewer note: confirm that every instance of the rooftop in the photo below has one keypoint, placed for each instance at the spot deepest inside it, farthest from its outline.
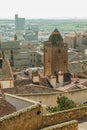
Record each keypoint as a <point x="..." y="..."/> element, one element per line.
<point x="77" y="85"/>
<point x="75" y="68"/>
<point x="55" y="38"/>
<point x="29" y="89"/>
<point x="6" y="108"/>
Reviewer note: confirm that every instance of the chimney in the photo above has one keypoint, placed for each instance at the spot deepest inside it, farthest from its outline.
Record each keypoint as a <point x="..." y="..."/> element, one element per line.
<point x="52" y="80"/>
<point x="60" y="78"/>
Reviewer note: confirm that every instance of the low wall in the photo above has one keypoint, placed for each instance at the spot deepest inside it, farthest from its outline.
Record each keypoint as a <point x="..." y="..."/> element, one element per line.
<point x="70" y="125"/>
<point x="64" y="116"/>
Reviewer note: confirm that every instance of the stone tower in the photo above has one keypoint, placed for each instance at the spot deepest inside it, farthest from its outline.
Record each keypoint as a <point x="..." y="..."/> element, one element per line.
<point x="55" y="54"/>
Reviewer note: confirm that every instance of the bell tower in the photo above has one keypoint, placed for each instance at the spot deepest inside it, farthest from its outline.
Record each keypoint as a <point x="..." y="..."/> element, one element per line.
<point x="55" y="54"/>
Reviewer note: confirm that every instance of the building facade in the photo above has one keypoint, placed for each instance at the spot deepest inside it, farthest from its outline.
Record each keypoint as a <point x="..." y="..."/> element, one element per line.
<point x="76" y="40"/>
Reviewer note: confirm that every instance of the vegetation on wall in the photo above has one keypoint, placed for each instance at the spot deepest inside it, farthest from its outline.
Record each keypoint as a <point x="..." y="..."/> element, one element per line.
<point x="63" y="103"/>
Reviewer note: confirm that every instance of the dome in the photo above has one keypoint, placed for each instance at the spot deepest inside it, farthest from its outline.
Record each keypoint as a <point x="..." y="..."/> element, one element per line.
<point x="56" y="38"/>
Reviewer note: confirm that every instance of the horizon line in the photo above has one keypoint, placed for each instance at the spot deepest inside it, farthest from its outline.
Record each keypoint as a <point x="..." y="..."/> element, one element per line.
<point x="79" y="18"/>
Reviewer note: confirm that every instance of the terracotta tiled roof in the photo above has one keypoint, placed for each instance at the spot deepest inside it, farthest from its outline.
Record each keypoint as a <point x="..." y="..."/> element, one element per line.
<point x="22" y="82"/>
<point x="84" y="83"/>
<point x="82" y="75"/>
<point x="68" y="88"/>
<point x="6" y="108"/>
<point x="75" y="68"/>
<point x="73" y="56"/>
<point x="29" y="89"/>
<point x="81" y="84"/>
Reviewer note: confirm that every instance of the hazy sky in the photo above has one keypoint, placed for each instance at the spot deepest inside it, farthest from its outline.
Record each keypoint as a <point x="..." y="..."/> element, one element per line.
<point x="43" y="8"/>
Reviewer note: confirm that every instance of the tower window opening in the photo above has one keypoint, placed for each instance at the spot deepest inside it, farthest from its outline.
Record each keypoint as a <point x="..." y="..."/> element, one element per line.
<point x="59" y="51"/>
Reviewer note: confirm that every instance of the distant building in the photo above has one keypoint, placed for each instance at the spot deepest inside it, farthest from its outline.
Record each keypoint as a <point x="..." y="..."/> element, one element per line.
<point x="70" y="39"/>
<point x="9" y="49"/>
<point x="27" y="59"/>
<point x="32" y="33"/>
<point x="76" y="40"/>
<point x="35" y="59"/>
<point x="19" y="23"/>
<point x="21" y="56"/>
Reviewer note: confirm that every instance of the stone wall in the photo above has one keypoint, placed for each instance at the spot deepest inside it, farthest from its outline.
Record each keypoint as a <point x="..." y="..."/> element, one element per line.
<point x="49" y="99"/>
<point x="32" y="118"/>
<point x="25" y="119"/>
<point x="70" y="125"/>
<point x="64" y="116"/>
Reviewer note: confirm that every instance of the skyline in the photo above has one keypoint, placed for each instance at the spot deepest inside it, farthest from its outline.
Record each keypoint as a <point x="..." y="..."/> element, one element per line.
<point x="47" y="9"/>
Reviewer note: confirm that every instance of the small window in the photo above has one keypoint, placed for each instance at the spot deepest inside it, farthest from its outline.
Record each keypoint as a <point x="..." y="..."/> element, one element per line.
<point x="65" y="61"/>
<point x="84" y="36"/>
<point x="46" y="50"/>
<point x="59" y="50"/>
<point x="49" y="60"/>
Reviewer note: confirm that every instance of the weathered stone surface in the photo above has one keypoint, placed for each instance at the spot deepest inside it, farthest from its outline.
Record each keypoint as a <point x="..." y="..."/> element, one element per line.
<point x="63" y="116"/>
<point x="71" y="125"/>
<point x="29" y="119"/>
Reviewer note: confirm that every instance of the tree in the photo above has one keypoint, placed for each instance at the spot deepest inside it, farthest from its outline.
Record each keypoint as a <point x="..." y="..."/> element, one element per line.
<point x="63" y="103"/>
